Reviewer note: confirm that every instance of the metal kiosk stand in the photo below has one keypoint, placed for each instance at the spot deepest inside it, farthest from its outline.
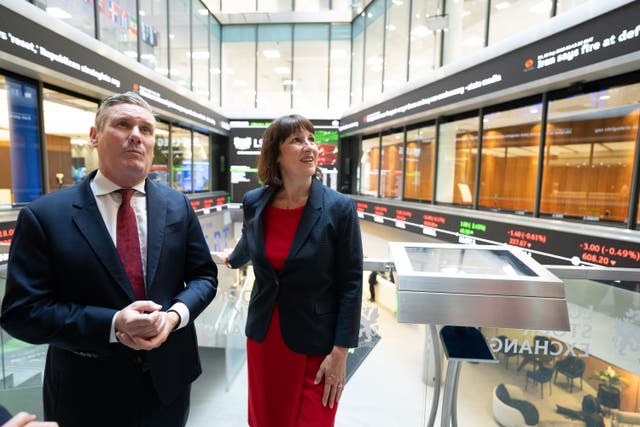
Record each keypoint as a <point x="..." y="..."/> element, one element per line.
<point x="470" y="286"/>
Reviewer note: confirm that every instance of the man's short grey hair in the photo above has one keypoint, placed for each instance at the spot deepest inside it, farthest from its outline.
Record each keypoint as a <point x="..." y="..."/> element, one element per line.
<point x="130" y="97"/>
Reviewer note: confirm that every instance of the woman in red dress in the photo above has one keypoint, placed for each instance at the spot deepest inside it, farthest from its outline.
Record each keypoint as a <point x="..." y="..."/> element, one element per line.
<point x="303" y="240"/>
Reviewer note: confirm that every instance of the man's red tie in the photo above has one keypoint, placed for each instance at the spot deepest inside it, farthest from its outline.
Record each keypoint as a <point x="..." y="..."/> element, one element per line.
<point x="128" y="243"/>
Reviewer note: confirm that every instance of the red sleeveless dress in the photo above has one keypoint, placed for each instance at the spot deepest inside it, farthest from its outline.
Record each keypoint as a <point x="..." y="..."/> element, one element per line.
<point x="281" y="388"/>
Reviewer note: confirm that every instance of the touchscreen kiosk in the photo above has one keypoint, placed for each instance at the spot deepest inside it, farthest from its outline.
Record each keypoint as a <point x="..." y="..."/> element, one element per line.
<point x="476" y="285"/>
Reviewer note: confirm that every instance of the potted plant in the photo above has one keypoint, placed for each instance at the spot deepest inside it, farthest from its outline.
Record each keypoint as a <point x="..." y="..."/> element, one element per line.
<point x="609" y="388"/>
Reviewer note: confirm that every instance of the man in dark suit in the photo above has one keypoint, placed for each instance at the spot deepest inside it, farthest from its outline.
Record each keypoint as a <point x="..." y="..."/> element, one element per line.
<point x="111" y="274"/>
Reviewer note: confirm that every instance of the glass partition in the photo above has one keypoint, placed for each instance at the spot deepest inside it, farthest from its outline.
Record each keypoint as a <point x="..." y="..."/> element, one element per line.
<point x="201" y="163"/>
<point x="70" y="154"/>
<point x="154" y="36"/>
<point x="339" y="66"/>
<point x="274" y="67"/>
<point x="119" y="26"/>
<point x="374" y="49"/>
<point x="200" y="53"/>
<point x="77" y="14"/>
<point x="239" y="62"/>
<point x="180" y="42"/>
<point x="509" y="166"/>
<point x="504" y="13"/>
<point x="391" y="168"/>
<point x="181" y="165"/>
<point x="215" y="70"/>
<point x="357" y="59"/>
<point x="161" y="155"/>
<point x="423" y="54"/>
<point x="396" y="45"/>
<point x="368" y="172"/>
<point x="466" y="29"/>
<point x="311" y="65"/>
<point x="420" y="163"/>
<point x="588" y="160"/>
<point x="457" y="151"/>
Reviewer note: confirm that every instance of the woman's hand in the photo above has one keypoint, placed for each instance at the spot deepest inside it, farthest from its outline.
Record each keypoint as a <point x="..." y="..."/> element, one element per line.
<point x="334" y="370"/>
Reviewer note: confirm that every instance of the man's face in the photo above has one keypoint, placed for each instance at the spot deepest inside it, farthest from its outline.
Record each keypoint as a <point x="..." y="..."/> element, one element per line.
<point x="125" y="144"/>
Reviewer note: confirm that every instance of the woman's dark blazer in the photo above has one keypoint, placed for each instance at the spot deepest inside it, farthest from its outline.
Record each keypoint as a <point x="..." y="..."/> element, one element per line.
<point x="319" y="289"/>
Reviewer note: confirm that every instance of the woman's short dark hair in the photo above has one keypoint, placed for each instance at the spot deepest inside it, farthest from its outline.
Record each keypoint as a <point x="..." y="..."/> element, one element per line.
<point x="276" y="134"/>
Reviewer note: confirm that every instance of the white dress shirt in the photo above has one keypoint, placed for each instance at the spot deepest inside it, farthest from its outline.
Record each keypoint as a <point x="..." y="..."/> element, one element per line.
<point x="108" y="200"/>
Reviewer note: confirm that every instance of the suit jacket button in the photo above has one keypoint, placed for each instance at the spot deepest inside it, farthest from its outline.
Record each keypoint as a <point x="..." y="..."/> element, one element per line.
<point x="277" y="282"/>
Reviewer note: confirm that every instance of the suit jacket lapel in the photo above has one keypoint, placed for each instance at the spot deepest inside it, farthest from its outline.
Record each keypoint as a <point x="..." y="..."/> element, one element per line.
<point x="310" y="216"/>
<point x="156" y="223"/>
<point x="89" y="221"/>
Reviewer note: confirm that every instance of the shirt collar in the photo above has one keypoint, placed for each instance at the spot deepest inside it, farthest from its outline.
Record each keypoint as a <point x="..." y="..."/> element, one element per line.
<point x="102" y="185"/>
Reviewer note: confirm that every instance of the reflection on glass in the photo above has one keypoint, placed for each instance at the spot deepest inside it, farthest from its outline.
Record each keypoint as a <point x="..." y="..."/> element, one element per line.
<point x="588" y="159"/>
<point x="154" y="52"/>
<point x="357" y="56"/>
<point x="509" y="163"/>
<point x="239" y="59"/>
<point x="396" y="44"/>
<point x="311" y="59"/>
<point x="70" y="154"/>
<point x="118" y="26"/>
<point x="75" y="13"/>
<point x="181" y="166"/>
<point x="201" y="164"/>
<point x="566" y="5"/>
<point x="160" y="168"/>
<point x="312" y="5"/>
<point x="457" y="151"/>
<point x="200" y="50"/>
<point x="154" y="35"/>
<point x="274" y="5"/>
<point x="373" y="61"/>
<point x="368" y="171"/>
<point x="274" y="67"/>
<point x="391" y="170"/>
<point x="340" y="52"/>
<point x="180" y="42"/>
<point x="466" y="29"/>
<point x="504" y="13"/>
<point x="421" y="150"/>
<point x="237" y="6"/>
<point x="423" y="55"/>
<point x="462" y="261"/>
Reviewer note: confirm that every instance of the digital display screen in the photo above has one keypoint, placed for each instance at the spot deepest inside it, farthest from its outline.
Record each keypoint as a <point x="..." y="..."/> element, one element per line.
<point x="465" y="261"/>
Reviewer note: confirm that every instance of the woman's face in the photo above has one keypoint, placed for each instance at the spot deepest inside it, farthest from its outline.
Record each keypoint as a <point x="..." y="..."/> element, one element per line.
<point x="298" y="158"/>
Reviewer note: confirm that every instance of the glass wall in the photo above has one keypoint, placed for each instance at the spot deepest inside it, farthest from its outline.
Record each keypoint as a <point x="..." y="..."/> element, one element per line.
<point x="357" y="59"/>
<point x="181" y="164"/>
<point x="504" y="13"/>
<point x="119" y="26"/>
<point x="70" y="154"/>
<point x="391" y="165"/>
<point x="161" y="155"/>
<point x="312" y="5"/>
<point x="424" y="53"/>
<point x="20" y="151"/>
<point x="466" y="29"/>
<point x="509" y="164"/>
<point x="274" y="73"/>
<point x="201" y="163"/>
<point x="374" y="50"/>
<point x="180" y="42"/>
<point x="588" y="160"/>
<point x="457" y="151"/>
<point x="566" y="5"/>
<point x="238" y="66"/>
<point x="215" y="68"/>
<point x="311" y="65"/>
<point x="339" y="69"/>
<point x="420" y="163"/>
<point x="75" y="13"/>
<point x="274" y="5"/>
<point x="396" y="44"/>
<point x="154" y="36"/>
<point x="368" y="173"/>
<point x="200" y="52"/>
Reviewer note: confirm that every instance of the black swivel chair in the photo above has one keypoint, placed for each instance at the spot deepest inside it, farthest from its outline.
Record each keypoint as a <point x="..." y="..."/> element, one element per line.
<point x="571" y="367"/>
<point x="508" y="349"/>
